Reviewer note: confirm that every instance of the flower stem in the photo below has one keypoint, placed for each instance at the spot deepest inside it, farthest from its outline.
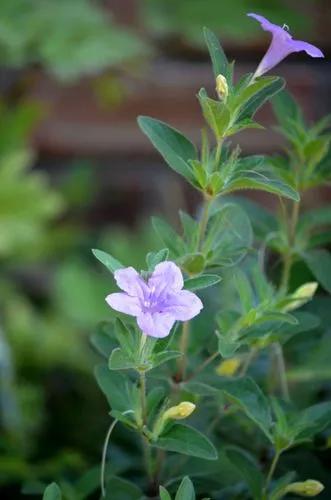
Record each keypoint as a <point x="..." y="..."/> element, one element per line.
<point x="143" y="396"/>
<point x="203" y="365"/>
<point x="218" y="152"/>
<point x="183" y="349"/>
<point x="249" y="358"/>
<point x="271" y="471"/>
<point x="203" y="222"/>
<point x="291" y="224"/>
<point x="104" y="457"/>
<point x="282" y="371"/>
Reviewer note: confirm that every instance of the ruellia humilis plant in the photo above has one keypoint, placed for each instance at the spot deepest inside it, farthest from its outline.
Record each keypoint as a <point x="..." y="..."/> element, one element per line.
<point x="227" y="326"/>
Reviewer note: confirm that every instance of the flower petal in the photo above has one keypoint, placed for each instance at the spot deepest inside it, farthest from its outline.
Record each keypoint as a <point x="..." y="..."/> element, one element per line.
<point x="311" y="50"/>
<point x="166" y="277"/>
<point x="265" y="24"/>
<point x="281" y="46"/>
<point x="155" y="324"/>
<point x="183" y="305"/>
<point x="123" y="303"/>
<point x="129" y="280"/>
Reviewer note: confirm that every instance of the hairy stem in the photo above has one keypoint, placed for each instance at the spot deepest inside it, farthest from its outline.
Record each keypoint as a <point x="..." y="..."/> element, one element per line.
<point x="218" y="152"/>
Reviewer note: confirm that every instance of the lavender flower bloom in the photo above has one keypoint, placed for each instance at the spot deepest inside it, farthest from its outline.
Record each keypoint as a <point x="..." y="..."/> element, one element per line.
<point x="157" y="303"/>
<point x="282" y="44"/>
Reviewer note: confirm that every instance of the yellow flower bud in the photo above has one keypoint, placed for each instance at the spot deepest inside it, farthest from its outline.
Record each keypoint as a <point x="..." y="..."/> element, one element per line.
<point x="309" y="488"/>
<point x="179" y="412"/>
<point x="222" y="88"/>
<point x="302" y="295"/>
<point x="228" y="367"/>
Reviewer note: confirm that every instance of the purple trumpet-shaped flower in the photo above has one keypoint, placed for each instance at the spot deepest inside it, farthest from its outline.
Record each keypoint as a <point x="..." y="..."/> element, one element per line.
<point x="156" y="303"/>
<point x="282" y="44"/>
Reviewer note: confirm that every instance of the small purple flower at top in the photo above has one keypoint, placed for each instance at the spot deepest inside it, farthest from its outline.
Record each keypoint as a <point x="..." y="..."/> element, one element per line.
<point x="282" y="44"/>
<point x="156" y="303"/>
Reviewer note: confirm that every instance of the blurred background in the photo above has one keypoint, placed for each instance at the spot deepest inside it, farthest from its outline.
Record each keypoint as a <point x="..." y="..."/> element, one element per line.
<point x="77" y="173"/>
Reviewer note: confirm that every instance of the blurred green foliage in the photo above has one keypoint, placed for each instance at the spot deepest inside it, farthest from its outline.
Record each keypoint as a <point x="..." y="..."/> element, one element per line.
<point x="185" y="18"/>
<point x="67" y="38"/>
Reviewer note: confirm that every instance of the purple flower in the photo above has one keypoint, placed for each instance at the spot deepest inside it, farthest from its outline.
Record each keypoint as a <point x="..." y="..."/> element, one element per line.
<point x="282" y="44"/>
<point x="156" y="303"/>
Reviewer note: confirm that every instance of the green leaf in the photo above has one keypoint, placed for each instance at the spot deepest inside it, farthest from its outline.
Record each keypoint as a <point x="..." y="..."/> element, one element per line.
<point x="193" y="263"/>
<point x="285" y="107"/>
<point x="243" y="125"/>
<point x="119" y="360"/>
<point x="154" y="258"/>
<point x="163" y="357"/>
<point x="248" y="396"/>
<point x="217" y="55"/>
<point x="203" y="281"/>
<point x="169" y="237"/>
<point x="314" y="218"/>
<point x="107" y="260"/>
<point x="121" y="489"/>
<point x="254" y="173"/>
<point x="244" y="289"/>
<point x="248" y="470"/>
<point x="228" y="237"/>
<point x="227" y="344"/>
<point x="200" y="173"/>
<point x="191" y="230"/>
<point x="52" y="492"/>
<point x="279" y="489"/>
<point x="319" y="263"/>
<point x="127" y="339"/>
<point x="216" y="114"/>
<point x="187" y="441"/>
<point x="256" y="94"/>
<point x="164" y="495"/>
<point x="174" y="147"/>
<point x="312" y="420"/>
<point x="185" y="490"/>
<point x="116" y="388"/>
<point x="102" y="340"/>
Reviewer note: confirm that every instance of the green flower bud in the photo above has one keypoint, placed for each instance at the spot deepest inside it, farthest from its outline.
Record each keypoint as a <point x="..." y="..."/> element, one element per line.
<point x="228" y="367"/>
<point x="308" y="488"/>
<point x="179" y="412"/>
<point x="302" y="295"/>
<point x="222" y="88"/>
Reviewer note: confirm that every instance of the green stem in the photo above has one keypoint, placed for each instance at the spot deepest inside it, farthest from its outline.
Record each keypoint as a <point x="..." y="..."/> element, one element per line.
<point x="183" y="346"/>
<point x="145" y="443"/>
<point x="288" y="256"/>
<point x="218" y="152"/>
<point x="271" y="471"/>
<point x="282" y="371"/>
<point x="104" y="457"/>
<point x="143" y="396"/>
<point x="203" y="365"/>
<point x="249" y="358"/>
<point x="203" y="222"/>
